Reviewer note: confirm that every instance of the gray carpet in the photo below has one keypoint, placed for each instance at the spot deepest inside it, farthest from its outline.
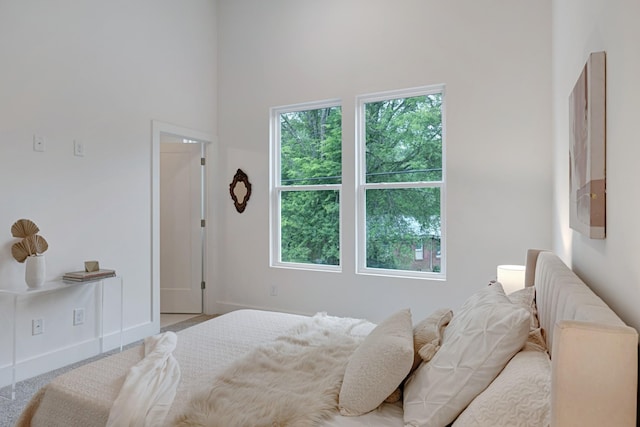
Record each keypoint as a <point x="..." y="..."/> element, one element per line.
<point x="10" y="410"/>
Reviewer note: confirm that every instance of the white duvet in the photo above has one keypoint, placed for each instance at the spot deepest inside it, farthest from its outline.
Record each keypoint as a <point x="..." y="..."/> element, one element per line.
<point x="84" y="396"/>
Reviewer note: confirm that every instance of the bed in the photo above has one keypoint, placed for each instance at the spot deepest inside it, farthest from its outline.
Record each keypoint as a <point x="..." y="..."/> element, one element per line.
<point x="567" y="360"/>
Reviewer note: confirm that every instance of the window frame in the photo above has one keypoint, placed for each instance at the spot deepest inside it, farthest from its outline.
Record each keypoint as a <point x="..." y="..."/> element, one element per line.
<point x="276" y="188"/>
<point x="362" y="186"/>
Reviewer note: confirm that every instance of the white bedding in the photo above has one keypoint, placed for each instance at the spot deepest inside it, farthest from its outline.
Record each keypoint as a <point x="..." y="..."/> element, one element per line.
<point x="593" y="363"/>
<point x="84" y="396"/>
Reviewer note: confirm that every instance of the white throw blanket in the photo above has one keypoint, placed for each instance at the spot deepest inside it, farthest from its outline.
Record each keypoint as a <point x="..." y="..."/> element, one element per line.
<point x="148" y="391"/>
<point x="293" y="381"/>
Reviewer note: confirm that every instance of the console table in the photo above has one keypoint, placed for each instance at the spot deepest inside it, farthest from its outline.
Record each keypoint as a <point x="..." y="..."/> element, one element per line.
<point x="54" y="286"/>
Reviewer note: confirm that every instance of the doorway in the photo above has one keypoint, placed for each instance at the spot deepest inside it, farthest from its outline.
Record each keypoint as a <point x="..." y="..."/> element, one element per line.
<point x="181" y="230"/>
<point x="178" y="214"/>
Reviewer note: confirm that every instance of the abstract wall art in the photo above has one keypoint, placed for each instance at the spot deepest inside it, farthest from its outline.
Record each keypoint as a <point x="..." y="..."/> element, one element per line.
<point x="587" y="135"/>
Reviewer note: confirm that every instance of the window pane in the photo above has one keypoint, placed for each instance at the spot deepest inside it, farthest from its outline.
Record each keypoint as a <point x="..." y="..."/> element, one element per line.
<point x="310" y="227"/>
<point x="399" y="222"/>
<point x="311" y="147"/>
<point x="404" y="139"/>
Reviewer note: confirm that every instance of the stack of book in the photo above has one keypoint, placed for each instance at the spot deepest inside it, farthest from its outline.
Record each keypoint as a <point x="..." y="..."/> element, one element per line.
<point x="86" y="276"/>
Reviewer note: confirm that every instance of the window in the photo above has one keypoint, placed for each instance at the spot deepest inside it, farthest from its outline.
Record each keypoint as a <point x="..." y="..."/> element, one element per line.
<point x="401" y="182"/>
<point x="399" y="192"/>
<point x="306" y="174"/>
<point x="419" y="252"/>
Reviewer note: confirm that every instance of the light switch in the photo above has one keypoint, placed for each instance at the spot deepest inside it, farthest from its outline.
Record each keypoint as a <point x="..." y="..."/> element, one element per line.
<point x="78" y="148"/>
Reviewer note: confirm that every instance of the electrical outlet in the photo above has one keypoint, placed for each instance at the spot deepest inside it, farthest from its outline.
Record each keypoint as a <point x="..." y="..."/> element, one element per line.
<point x="273" y="291"/>
<point x="38" y="143"/>
<point x="37" y="326"/>
<point x="78" y="316"/>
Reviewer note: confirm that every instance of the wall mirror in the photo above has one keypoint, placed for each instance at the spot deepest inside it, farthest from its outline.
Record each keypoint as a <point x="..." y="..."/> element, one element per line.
<point x="240" y="190"/>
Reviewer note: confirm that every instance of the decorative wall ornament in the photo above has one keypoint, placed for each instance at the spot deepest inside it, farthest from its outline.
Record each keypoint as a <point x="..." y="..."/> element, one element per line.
<point x="240" y="190"/>
<point x="587" y="131"/>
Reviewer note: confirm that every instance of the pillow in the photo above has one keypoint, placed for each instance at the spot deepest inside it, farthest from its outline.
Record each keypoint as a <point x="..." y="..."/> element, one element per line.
<point x="519" y="396"/>
<point x="536" y="341"/>
<point x="477" y="344"/>
<point x="426" y="341"/>
<point x="427" y="335"/>
<point x="378" y="366"/>
<point x="527" y="298"/>
<point x="483" y="296"/>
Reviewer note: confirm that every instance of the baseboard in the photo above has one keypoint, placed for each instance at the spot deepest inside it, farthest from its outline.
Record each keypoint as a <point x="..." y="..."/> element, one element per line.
<point x="57" y="358"/>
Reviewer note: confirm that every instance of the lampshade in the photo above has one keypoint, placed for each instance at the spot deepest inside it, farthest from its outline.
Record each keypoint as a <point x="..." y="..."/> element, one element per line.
<point x="511" y="277"/>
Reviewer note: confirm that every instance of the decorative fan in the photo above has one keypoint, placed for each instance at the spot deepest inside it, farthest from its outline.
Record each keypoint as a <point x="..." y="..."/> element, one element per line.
<point x="31" y="243"/>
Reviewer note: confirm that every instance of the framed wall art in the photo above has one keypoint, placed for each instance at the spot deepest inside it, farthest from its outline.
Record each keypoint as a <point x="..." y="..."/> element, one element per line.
<point x="587" y="134"/>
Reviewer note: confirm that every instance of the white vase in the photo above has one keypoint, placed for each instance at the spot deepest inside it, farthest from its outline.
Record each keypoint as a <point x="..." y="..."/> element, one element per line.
<point x="34" y="272"/>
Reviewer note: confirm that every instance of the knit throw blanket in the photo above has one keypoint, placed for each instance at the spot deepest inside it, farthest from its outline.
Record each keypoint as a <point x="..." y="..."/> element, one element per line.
<point x="293" y="381"/>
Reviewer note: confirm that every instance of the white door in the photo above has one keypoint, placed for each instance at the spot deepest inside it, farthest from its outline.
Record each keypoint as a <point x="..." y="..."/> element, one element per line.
<point x="180" y="228"/>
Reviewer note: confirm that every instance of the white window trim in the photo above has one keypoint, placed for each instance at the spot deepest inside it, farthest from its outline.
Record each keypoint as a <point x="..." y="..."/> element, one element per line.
<point x="362" y="185"/>
<point x="275" y="189"/>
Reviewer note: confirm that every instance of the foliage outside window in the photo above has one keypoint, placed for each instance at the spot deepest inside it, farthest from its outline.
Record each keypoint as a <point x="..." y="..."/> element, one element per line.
<point x="306" y="179"/>
<point x="401" y="183"/>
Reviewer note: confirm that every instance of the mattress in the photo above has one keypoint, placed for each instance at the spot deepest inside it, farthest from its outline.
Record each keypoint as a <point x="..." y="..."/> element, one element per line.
<point x="83" y="397"/>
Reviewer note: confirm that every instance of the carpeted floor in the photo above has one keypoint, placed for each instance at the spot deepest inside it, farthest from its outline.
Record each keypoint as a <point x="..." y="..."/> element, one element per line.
<point x="10" y="410"/>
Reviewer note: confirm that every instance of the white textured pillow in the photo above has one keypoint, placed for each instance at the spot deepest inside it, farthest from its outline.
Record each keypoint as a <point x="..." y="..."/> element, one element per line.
<point x="378" y="365"/>
<point x="519" y="396"/>
<point x="476" y="346"/>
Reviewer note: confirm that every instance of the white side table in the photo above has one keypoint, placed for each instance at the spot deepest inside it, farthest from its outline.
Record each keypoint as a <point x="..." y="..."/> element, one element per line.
<point x="55" y="286"/>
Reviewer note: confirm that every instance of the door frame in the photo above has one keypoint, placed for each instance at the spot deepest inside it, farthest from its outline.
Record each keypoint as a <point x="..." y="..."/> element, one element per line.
<point x="158" y="128"/>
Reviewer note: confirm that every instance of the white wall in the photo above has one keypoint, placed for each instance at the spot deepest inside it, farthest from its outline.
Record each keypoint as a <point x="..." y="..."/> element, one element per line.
<point x="101" y="71"/>
<point x="611" y="266"/>
<point x="98" y="72"/>
<point x="494" y="57"/>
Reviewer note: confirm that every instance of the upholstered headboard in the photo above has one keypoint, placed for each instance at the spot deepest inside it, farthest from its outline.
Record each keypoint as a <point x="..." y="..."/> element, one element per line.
<point x="594" y="355"/>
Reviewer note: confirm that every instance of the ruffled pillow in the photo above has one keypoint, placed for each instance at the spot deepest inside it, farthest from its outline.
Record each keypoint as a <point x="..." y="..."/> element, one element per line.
<point x="478" y="342"/>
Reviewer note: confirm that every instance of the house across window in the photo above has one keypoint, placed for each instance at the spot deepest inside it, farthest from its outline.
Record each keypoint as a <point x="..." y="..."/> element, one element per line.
<point x="419" y="252"/>
<point x="427" y="255"/>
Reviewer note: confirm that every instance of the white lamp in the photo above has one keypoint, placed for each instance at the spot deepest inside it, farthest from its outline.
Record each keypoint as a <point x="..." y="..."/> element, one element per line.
<point x="511" y="277"/>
